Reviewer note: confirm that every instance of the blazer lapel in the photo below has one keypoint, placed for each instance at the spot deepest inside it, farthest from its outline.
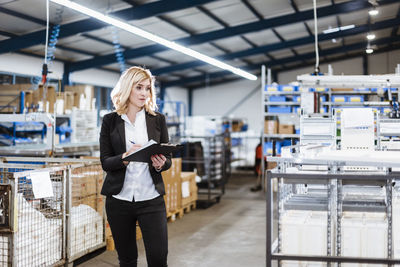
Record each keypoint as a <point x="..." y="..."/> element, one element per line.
<point x="120" y="125"/>
<point x="151" y="125"/>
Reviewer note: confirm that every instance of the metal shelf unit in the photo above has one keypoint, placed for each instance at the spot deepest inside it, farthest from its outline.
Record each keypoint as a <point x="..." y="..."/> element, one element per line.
<point x="212" y="186"/>
<point x="330" y="197"/>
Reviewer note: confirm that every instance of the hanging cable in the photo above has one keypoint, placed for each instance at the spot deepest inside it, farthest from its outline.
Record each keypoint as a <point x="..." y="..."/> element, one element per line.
<point x="118" y="50"/>
<point x="50" y="45"/>
<point x="316" y="38"/>
<point x="47" y="31"/>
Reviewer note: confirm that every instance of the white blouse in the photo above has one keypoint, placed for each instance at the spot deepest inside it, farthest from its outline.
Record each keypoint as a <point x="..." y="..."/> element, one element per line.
<point x="138" y="182"/>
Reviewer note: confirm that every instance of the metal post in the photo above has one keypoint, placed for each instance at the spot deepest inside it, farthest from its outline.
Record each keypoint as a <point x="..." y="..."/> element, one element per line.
<point x="262" y="126"/>
<point x="389" y="211"/>
<point x="21" y="102"/>
<point x="269" y="218"/>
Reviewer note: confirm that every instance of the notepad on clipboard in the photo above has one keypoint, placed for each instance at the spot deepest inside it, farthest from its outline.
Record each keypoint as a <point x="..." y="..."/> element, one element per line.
<point x="144" y="153"/>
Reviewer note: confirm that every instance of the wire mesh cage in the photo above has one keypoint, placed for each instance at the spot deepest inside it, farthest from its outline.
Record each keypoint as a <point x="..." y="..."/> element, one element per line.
<point x="85" y="224"/>
<point x="32" y="229"/>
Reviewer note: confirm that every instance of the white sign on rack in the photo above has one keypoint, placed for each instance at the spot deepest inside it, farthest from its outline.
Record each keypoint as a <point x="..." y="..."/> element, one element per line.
<point x="41" y="184"/>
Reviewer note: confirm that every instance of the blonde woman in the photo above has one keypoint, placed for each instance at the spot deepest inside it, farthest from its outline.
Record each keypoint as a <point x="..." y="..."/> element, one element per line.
<point x="135" y="190"/>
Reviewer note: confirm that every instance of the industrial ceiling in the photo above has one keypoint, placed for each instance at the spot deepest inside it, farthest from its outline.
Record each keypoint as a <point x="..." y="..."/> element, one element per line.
<point x="242" y="33"/>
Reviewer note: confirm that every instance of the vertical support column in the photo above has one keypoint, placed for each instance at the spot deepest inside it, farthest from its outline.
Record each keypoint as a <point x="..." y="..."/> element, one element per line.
<point x="108" y="101"/>
<point x="98" y="105"/>
<point x="365" y="64"/>
<point x="262" y="123"/>
<point x="190" y="102"/>
<point x="66" y="74"/>
<point x="162" y="97"/>
<point x="21" y="102"/>
<point x="339" y="219"/>
<point x="270" y="221"/>
<point x="389" y="214"/>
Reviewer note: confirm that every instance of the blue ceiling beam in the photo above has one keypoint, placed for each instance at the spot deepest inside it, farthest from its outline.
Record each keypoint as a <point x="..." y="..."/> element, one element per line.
<point x="282" y="45"/>
<point x="307" y="56"/>
<point x="341" y="8"/>
<point x="140" y="12"/>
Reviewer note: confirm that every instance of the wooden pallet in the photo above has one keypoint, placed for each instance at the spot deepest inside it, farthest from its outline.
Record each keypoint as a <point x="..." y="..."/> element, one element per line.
<point x="189" y="206"/>
<point x="171" y="216"/>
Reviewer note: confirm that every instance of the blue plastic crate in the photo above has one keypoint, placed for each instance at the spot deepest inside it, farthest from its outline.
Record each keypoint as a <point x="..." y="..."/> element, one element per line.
<point x="272" y="88"/>
<point x="288" y="88"/>
<point x="355" y="98"/>
<point x="277" y="98"/>
<point x="279" y="109"/>
<point x="297" y="98"/>
<point x="339" y="98"/>
<point x="362" y="89"/>
<point x="268" y="148"/>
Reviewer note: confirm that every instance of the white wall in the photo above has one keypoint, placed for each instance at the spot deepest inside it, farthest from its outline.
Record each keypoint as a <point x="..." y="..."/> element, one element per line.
<point x="26" y="65"/>
<point x="348" y="67"/>
<point x="220" y="99"/>
<point x="176" y="94"/>
<point x="95" y="77"/>
<point x="32" y="66"/>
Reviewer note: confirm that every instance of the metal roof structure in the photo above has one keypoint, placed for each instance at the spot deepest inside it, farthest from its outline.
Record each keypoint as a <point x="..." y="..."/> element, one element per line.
<point x="242" y="33"/>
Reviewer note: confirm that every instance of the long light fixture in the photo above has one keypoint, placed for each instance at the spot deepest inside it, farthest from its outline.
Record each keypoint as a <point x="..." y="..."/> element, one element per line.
<point x="152" y="37"/>
<point x="342" y="28"/>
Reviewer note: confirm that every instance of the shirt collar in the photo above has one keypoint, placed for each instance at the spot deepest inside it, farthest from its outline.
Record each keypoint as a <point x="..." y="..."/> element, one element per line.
<point x="140" y="114"/>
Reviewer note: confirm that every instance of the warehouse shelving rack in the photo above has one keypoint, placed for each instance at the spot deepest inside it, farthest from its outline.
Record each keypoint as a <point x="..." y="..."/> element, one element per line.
<point x="212" y="186"/>
<point x="265" y="104"/>
<point x="330" y="199"/>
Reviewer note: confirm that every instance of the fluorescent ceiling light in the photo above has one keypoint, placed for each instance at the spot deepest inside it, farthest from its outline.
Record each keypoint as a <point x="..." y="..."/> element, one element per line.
<point x="373" y="12"/>
<point x="343" y="28"/>
<point x="152" y="37"/>
<point x="370" y="36"/>
<point x="369" y="50"/>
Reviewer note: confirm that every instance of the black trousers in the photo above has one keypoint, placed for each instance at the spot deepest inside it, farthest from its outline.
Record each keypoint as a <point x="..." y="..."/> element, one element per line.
<point x="151" y="215"/>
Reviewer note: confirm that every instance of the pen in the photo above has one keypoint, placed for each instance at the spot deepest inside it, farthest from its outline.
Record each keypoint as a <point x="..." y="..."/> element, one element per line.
<point x="132" y="142"/>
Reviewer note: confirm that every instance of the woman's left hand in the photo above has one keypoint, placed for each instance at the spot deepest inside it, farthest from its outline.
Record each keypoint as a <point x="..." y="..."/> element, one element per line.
<point x="158" y="161"/>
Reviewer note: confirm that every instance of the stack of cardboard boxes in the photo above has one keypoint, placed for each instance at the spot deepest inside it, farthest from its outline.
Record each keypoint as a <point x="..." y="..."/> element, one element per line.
<point x="44" y="99"/>
<point x="272" y="126"/>
<point x="172" y="183"/>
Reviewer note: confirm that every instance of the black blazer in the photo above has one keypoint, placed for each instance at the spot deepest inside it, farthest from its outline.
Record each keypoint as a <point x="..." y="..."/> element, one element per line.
<point x="112" y="146"/>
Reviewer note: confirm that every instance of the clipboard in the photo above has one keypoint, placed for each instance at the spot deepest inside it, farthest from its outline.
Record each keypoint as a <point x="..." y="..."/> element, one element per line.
<point x="152" y="148"/>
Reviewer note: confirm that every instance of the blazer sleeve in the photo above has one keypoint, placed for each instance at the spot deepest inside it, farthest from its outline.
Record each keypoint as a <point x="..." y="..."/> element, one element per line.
<point x="109" y="161"/>
<point x="164" y="138"/>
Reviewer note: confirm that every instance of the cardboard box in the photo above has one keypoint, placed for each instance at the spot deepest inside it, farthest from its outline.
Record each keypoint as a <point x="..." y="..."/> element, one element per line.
<point x="172" y="185"/>
<point x="271" y="165"/>
<point x="79" y="92"/>
<point x="286" y="129"/>
<point x="176" y="166"/>
<point x="188" y="188"/>
<point x="69" y="100"/>
<point x="271" y="126"/>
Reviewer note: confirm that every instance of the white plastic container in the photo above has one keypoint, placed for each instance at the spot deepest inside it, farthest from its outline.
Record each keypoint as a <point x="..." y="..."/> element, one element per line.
<point x="364" y="234"/>
<point x="304" y="233"/>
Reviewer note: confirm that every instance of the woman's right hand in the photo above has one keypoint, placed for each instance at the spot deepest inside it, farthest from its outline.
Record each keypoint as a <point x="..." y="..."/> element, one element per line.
<point x="133" y="148"/>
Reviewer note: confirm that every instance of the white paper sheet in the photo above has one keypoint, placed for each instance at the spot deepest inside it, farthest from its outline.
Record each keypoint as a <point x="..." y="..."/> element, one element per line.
<point x="185" y="189"/>
<point x="41" y="184"/>
<point x="357" y="117"/>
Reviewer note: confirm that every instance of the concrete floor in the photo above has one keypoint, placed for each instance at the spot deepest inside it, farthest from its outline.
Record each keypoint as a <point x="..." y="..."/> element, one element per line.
<point x="230" y="233"/>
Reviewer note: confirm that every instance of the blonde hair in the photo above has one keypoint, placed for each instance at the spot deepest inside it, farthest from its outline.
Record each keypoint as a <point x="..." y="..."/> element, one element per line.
<point x="121" y="92"/>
